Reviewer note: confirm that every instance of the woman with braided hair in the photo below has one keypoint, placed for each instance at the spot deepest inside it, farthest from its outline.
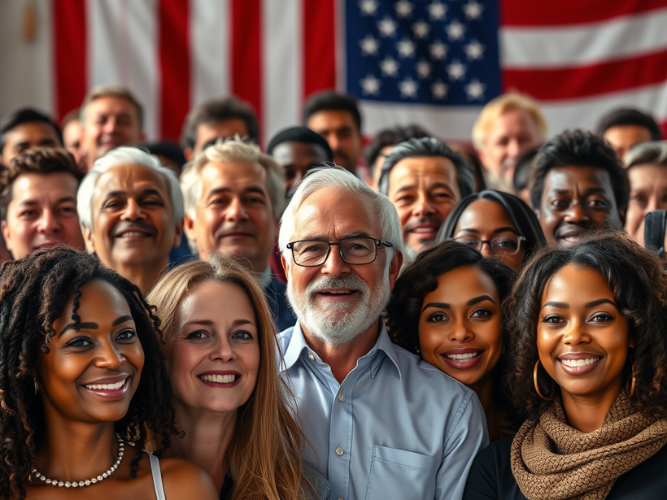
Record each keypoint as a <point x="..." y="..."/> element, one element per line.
<point x="586" y="365"/>
<point x="82" y="384"/>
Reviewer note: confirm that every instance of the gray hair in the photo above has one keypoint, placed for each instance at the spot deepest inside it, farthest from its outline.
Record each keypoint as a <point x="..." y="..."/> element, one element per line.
<point x="229" y="151"/>
<point x="342" y="180"/>
<point x="654" y="153"/>
<point x="124" y="156"/>
<point x="428" y="147"/>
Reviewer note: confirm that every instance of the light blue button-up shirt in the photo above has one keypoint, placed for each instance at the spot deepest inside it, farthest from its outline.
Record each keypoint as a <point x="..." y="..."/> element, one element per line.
<point x="396" y="428"/>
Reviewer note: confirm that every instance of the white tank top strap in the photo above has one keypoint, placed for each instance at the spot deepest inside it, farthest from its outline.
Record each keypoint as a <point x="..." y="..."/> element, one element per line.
<point x="157" y="477"/>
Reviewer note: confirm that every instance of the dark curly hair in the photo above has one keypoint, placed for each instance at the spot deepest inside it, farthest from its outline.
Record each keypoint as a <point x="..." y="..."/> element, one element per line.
<point x="639" y="286"/>
<point x="34" y="292"/>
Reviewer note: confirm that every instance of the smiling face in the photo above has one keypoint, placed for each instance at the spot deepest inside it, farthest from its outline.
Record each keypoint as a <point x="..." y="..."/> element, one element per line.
<point x="213" y="351"/>
<point x="487" y="220"/>
<point x="460" y="325"/>
<point x="582" y="337"/>
<point x="648" y="191"/>
<point x="28" y="135"/>
<point x="42" y="213"/>
<point x="424" y="190"/>
<point x="132" y="218"/>
<point x="575" y="200"/>
<point x="340" y="130"/>
<point x="91" y="375"/>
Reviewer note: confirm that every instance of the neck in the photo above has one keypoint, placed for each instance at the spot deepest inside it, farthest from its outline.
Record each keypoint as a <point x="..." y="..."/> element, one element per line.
<point x="587" y="413"/>
<point x="144" y="275"/>
<point x="205" y="437"/>
<point x="484" y="390"/>
<point x="343" y="358"/>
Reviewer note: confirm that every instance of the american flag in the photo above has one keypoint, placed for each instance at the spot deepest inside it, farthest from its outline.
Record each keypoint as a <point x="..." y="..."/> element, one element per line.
<point x="432" y="62"/>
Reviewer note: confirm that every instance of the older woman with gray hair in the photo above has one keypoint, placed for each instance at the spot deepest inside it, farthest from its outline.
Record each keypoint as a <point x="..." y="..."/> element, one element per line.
<point x="647" y="170"/>
<point x="131" y="212"/>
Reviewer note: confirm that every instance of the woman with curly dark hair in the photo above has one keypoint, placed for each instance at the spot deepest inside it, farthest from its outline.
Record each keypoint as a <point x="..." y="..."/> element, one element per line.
<point x="587" y="361"/>
<point x="82" y="384"/>
<point x="503" y="221"/>
<point x="446" y="307"/>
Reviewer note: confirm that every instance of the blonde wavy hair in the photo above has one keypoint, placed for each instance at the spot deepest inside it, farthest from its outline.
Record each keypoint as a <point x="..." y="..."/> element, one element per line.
<point x="264" y="455"/>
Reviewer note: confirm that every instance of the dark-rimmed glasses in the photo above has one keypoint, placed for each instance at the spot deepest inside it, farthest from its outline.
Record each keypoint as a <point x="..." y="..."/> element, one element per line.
<point x="358" y="250"/>
<point x="501" y="245"/>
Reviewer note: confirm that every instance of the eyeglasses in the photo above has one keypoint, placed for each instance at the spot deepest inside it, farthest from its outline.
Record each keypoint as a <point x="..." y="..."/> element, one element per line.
<point x="360" y="250"/>
<point x="501" y="245"/>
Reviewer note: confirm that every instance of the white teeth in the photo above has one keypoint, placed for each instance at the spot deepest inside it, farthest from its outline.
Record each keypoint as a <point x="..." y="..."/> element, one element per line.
<point x="219" y="379"/>
<point x="106" y="387"/>
<point x="131" y="234"/>
<point x="576" y="363"/>
<point x="339" y="292"/>
<point x="463" y="357"/>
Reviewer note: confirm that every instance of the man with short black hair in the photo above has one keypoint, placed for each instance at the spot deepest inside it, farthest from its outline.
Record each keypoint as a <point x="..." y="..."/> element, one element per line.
<point x="625" y="127"/>
<point x="425" y="180"/>
<point x="27" y="128"/>
<point x="336" y="117"/>
<point x="578" y="184"/>
<point x="218" y="118"/>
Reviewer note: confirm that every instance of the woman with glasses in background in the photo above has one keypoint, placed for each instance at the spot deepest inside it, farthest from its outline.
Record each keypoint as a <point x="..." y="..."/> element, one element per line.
<point x="496" y="223"/>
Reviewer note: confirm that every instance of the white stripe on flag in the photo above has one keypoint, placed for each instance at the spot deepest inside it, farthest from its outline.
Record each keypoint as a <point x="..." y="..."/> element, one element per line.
<point x="281" y="66"/>
<point x="210" y="40"/>
<point x="106" y="46"/>
<point x="541" y="47"/>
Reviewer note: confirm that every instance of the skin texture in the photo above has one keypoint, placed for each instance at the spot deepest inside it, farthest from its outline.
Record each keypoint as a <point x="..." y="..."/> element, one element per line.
<point x="234" y="213"/>
<point x="462" y="313"/>
<point x="28" y="135"/>
<point x="513" y="132"/>
<point x="648" y="192"/>
<point x="623" y="137"/>
<point x="297" y="158"/>
<point x="80" y="441"/>
<point x="485" y="220"/>
<point x="72" y="138"/>
<point x="341" y="132"/>
<point x="575" y="200"/>
<point x="211" y="130"/>
<point x="578" y="315"/>
<point x="210" y="339"/>
<point x="109" y="122"/>
<point x="133" y="199"/>
<point x="424" y="190"/>
<point x="42" y="213"/>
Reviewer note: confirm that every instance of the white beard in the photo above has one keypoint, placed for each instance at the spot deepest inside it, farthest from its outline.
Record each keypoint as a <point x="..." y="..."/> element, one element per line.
<point x="342" y="322"/>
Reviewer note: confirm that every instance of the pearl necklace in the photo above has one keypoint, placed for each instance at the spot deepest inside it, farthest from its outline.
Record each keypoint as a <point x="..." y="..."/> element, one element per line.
<point x="87" y="482"/>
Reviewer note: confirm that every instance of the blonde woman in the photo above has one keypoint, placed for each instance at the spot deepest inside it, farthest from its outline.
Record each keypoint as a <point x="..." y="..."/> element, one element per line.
<point x="231" y="405"/>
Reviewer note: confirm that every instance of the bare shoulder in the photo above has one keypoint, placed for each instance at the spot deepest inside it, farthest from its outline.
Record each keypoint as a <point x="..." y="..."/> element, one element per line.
<point x="184" y="479"/>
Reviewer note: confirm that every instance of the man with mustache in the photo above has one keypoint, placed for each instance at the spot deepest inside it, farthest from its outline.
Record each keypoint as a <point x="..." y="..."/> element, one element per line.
<point x="131" y="212"/>
<point x="578" y="184"/>
<point x="425" y="180"/>
<point x="234" y="197"/>
<point x="382" y="423"/>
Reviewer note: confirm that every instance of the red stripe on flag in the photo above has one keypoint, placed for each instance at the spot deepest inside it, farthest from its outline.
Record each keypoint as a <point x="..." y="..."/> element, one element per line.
<point x="174" y="48"/>
<point x="319" y="46"/>
<point x="570" y="12"/>
<point x="663" y="127"/>
<point x="246" y="53"/>
<point x="583" y="81"/>
<point x="70" y="43"/>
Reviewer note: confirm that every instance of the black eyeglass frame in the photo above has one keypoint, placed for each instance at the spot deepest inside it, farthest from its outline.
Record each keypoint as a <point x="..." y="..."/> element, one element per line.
<point x="378" y="243"/>
<point x="520" y="240"/>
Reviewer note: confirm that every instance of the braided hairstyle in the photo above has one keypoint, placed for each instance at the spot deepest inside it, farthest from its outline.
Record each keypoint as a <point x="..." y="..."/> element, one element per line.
<point x="34" y="292"/>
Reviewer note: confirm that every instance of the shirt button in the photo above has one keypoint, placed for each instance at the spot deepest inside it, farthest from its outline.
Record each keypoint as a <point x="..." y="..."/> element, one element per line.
<point x="310" y="355"/>
<point x="340" y="451"/>
<point x="341" y="397"/>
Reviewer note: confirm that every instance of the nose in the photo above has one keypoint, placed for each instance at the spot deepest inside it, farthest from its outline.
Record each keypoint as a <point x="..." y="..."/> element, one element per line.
<point x="132" y="210"/>
<point x="486" y="250"/>
<point x="513" y="148"/>
<point x="574" y="333"/>
<point x="236" y="211"/>
<point x="222" y="350"/>
<point x="423" y="206"/>
<point x="110" y="125"/>
<point x="576" y="213"/>
<point x="48" y="222"/>
<point x="460" y="331"/>
<point x="333" y="141"/>
<point x="335" y="265"/>
<point x="109" y="356"/>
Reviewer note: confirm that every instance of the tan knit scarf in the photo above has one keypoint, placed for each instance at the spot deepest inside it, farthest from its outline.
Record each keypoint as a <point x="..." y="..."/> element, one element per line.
<point x="553" y="461"/>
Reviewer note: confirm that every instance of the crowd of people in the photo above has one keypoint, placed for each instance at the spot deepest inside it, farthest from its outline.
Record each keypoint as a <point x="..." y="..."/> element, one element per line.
<point x="331" y="319"/>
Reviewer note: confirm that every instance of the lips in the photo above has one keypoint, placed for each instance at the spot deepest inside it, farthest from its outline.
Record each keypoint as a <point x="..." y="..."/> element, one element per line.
<point x="464" y="358"/>
<point x="220" y="378"/>
<point x="133" y="230"/>
<point x="109" y="387"/>
<point x="579" y="363"/>
<point x="243" y="231"/>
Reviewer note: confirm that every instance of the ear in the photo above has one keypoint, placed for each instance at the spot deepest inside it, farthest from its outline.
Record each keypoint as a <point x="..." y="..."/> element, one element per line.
<point x="88" y="239"/>
<point x="178" y="235"/>
<point x="189" y="228"/>
<point x="187" y="152"/>
<point x="285" y="265"/>
<point x="395" y="269"/>
<point x="631" y="343"/>
<point x="5" y="235"/>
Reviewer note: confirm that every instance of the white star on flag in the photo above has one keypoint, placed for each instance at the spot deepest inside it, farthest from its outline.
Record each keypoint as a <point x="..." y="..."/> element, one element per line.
<point x="474" y="50"/>
<point x="421" y="29"/>
<point x="370" y="85"/>
<point x="423" y="68"/>
<point x="370" y="45"/>
<point x="387" y="26"/>
<point x="475" y="90"/>
<point x="439" y="90"/>
<point x="473" y="10"/>
<point x="408" y="87"/>
<point x="389" y="66"/>
<point x="436" y="11"/>
<point x="455" y="30"/>
<point x="403" y="8"/>
<point x="438" y="50"/>
<point x="456" y="70"/>
<point x="406" y="48"/>
<point x="368" y="7"/>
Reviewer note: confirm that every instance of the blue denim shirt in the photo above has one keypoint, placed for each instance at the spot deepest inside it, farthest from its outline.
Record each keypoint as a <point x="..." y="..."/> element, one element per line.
<point x="396" y="428"/>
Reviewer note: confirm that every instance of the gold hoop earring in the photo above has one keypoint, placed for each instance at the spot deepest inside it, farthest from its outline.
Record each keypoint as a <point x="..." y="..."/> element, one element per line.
<point x="633" y="382"/>
<point x="537" y="385"/>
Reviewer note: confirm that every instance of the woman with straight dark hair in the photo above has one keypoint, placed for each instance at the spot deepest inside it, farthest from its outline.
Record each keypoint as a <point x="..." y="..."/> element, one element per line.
<point x="447" y="308"/>
<point x="586" y="366"/>
<point x="502" y="221"/>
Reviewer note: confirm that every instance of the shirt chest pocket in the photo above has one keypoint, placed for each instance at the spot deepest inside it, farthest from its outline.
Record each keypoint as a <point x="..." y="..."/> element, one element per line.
<point x="401" y="474"/>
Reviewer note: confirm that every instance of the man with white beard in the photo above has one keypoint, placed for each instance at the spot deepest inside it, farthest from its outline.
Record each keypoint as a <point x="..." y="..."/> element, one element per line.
<point x="383" y="424"/>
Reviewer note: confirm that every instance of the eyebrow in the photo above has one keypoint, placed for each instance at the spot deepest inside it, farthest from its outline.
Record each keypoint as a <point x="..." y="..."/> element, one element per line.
<point x="597" y="302"/>
<point x="479" y="299"/>
<point x="559" y="305"/>
<point x="94" y="326"/>
<point x="495" y="231"/>
<point x="120" y="192"/>
<point x="208" y="322"/>
<point x="251" y="189"/>
<point x="359" y="234"/>
<point x="440" y="305"/>
<point x="432" y="186"/>
<point x="25" y="203"/>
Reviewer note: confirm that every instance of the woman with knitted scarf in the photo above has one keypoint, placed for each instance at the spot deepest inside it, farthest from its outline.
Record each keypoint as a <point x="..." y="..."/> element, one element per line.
<point x="587" y="364"/>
